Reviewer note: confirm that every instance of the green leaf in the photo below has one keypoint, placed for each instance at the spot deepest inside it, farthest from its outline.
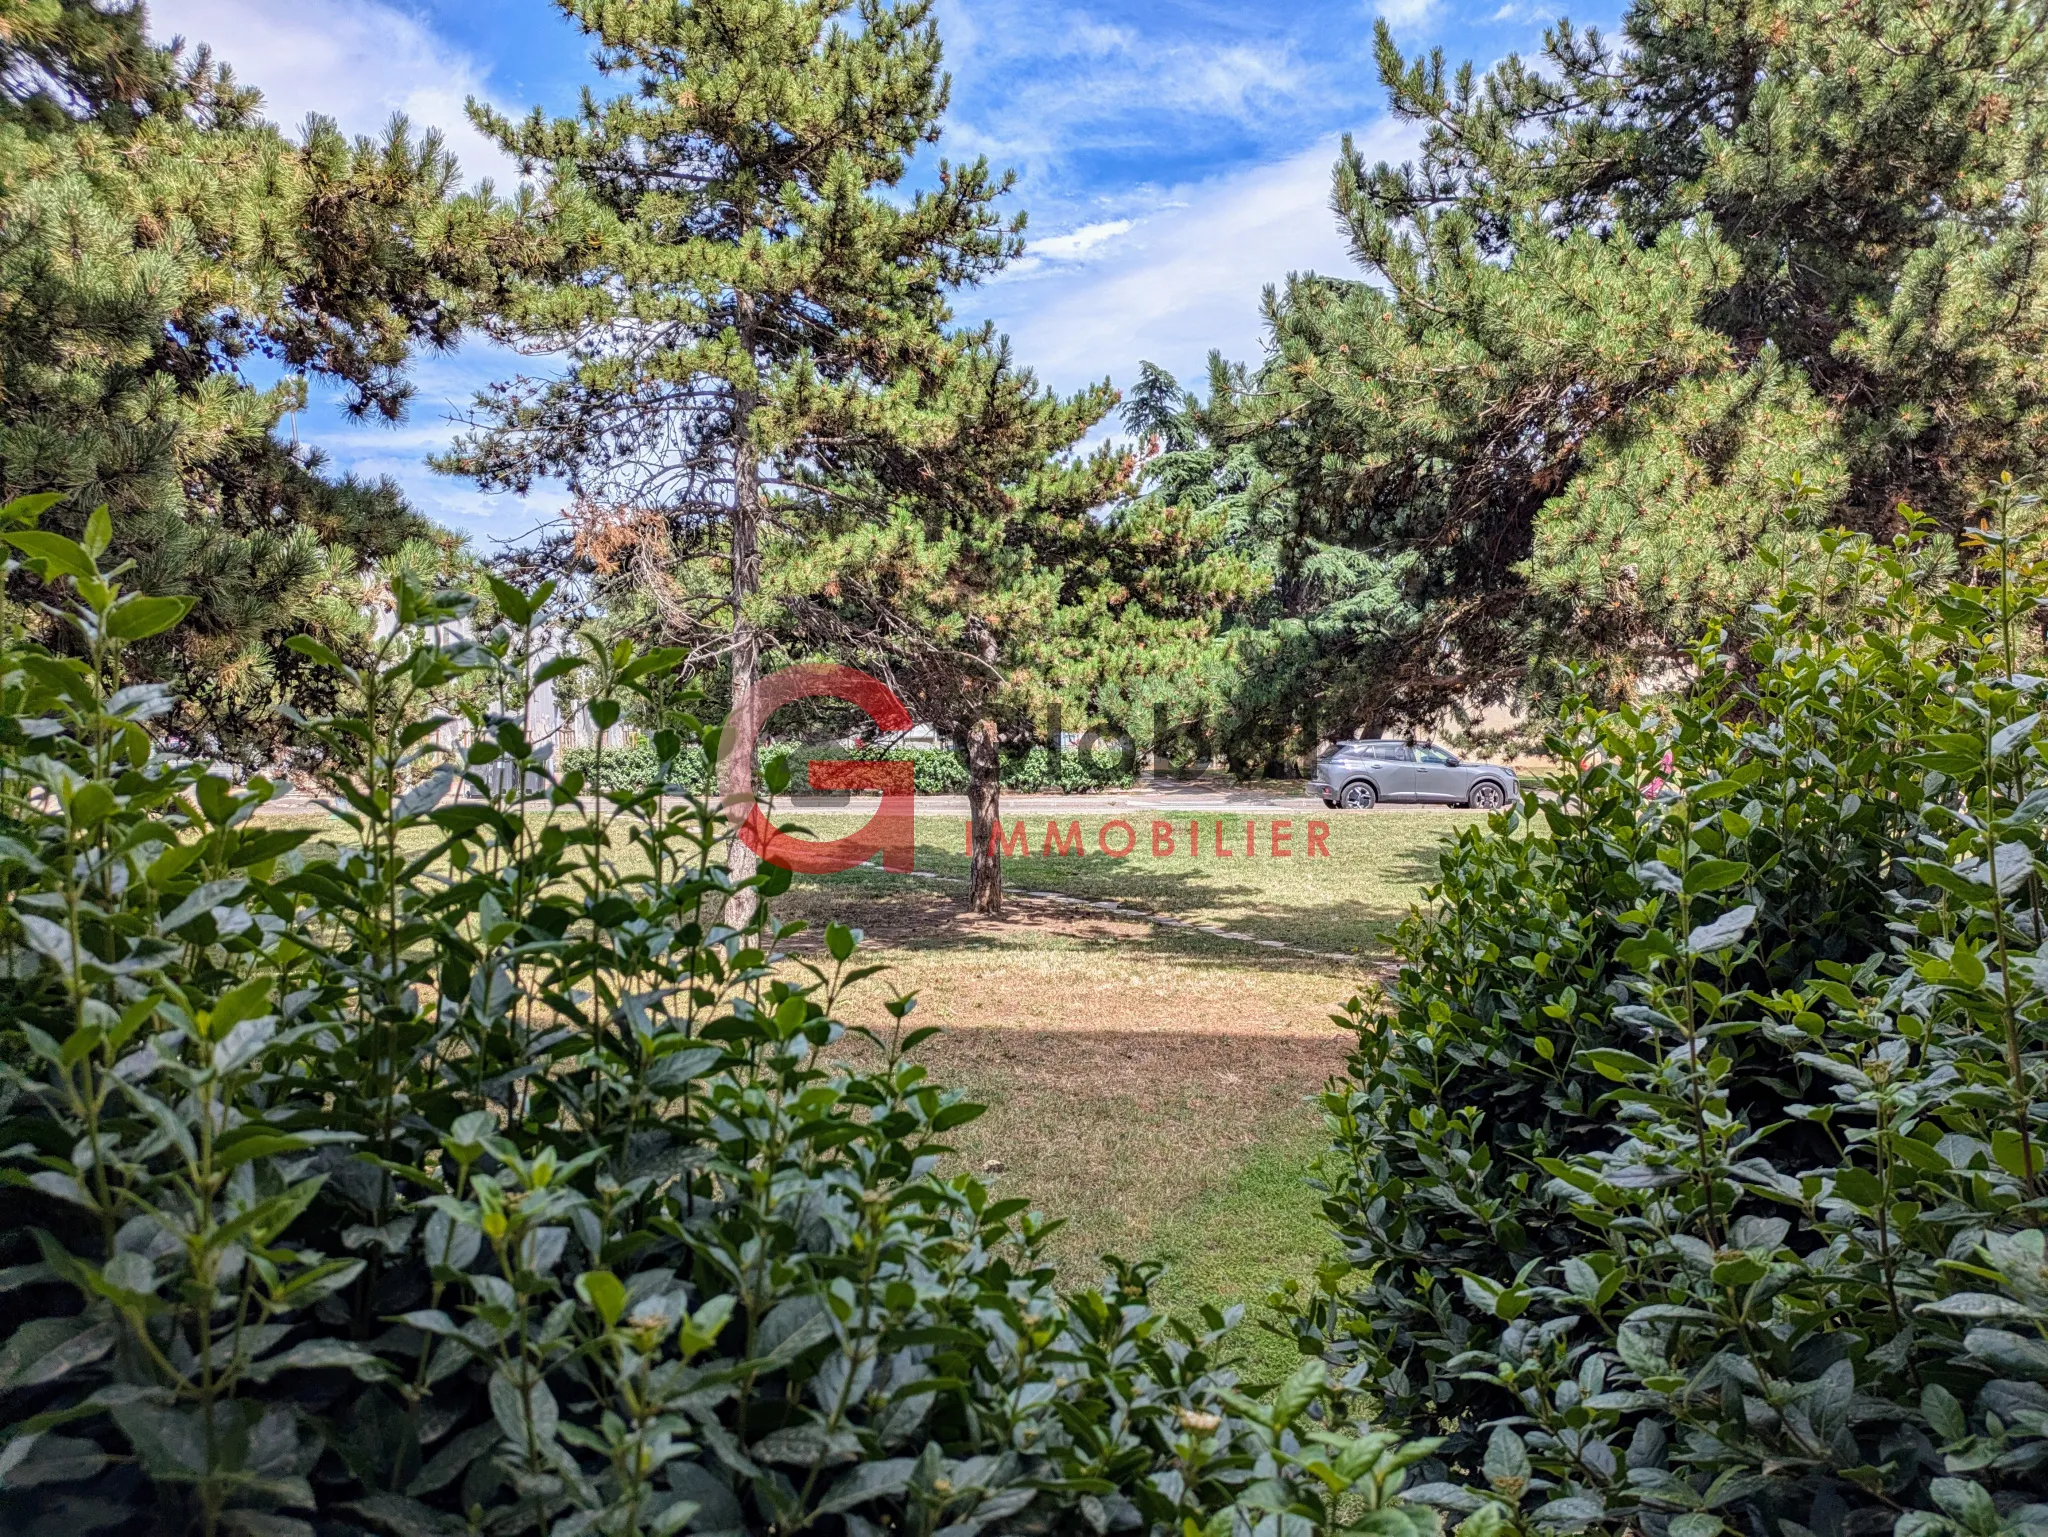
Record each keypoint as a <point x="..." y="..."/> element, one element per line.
<point x="44" y="1349"/>
<point x="135" y="618"/>
<point x="869" y="1481"/>
<point x="1977" y="1305"/>
<point x="99" y="533"/>
<point x="1859" y="1186"/>
<point x="308" y="647"/>
<point x="2008" y="1354"/>
<point x="605" y="1292"/>
<point x="1507" y="1463"/>
<point x="1944" y="1414"/>
<point x="1299" y="1391"/>
<point x="26" y="509"/>
<point x="321" y="1355"/>
<point x="807" y="1446"/>
<point x="512" y="603"/>
<point x="2014" y="735"/>
<point x="249" y="999"/>
<point x="63" y="557"/>
<point x="1613" y="1063"/>
<point x="1714" y="875"/>
<point x="1724" y="931"/>
<point x="658" y="659"/>
<point x="251" y="1144"/>
<point x="519" y="1413"/>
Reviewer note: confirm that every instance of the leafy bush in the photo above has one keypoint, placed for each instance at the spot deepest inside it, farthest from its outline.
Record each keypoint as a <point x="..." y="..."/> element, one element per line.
<point x="938" y="771"/>
<point x="1037" y="769"/>
<point x="634" y="765"/>
<point x="1693" y="1168"/>
<point x="475" y="1174"/>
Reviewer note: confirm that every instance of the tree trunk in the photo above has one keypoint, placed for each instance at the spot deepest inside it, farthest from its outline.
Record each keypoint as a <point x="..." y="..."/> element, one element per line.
<point x="746" y="645"/>
<point x="985" y="818"/>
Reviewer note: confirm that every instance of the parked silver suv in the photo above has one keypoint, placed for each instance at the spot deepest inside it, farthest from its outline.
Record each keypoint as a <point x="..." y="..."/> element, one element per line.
<point x="1359" y="775"/>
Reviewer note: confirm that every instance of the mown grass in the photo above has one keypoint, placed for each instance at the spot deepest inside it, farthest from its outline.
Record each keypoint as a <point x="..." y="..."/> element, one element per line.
<point x="1243" y="1239"/>
<point x="1343" y="902"/>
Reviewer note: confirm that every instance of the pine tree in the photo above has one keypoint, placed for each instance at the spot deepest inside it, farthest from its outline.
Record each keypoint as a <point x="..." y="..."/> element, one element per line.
<point x="747" y="296"/>
<point x="1020" y="576"/>
<point x="155" y="233"/>
<point x="64" y="61"/>
<point x="1642" y="306"/>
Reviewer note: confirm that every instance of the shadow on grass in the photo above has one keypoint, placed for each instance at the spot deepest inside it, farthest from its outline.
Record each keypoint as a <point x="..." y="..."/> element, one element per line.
<point x="927" y="918"/>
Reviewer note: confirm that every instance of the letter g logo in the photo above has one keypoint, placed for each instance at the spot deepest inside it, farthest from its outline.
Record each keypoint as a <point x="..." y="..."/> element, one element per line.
<point x="891" y="831"/>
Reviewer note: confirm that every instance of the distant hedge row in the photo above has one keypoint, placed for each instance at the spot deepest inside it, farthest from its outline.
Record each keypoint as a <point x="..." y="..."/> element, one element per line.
<point x="939" y="771"/>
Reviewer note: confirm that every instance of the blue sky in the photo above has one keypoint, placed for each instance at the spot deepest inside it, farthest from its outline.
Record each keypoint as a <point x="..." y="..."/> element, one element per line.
<point x="1173" y="155"/>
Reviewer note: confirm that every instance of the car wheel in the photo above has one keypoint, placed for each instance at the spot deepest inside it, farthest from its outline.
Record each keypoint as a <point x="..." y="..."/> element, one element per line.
<point x="1359" y="796"/>
<point x="1488" y="796"/>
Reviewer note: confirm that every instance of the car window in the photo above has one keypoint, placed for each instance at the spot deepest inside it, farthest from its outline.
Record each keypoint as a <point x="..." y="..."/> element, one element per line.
<point x="1432" y="755"/>
<point x="1392" y="752"/>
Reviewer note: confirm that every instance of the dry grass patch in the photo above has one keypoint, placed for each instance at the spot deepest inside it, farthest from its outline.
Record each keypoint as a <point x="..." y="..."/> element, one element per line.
<point x="1130" y="1071"/>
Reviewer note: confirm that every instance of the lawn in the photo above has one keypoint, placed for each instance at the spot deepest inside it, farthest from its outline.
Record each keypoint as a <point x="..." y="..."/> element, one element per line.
<point x="1339" y="901"/>
<point x="1152" y="1084"/>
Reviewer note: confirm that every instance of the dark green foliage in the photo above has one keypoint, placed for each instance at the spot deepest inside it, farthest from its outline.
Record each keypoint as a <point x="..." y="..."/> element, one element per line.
<point x="938" y="771"/>
<point x="1640" y="303"/>
<point x="1019" y="574"/>
<point x="1694" y="1170"/>
<point x="636" y="766"/>
<point x="440" y="1170"/>
<point x="157" y="238"/>
<point x="63" y="60"/>
<point x="750" y="304"/>
<point x="1318" y="632"/>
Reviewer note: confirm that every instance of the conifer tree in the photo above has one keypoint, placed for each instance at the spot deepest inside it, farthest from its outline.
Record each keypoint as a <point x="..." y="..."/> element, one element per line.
<point x="1317" y="624"/>
<point x="1020" y="575"/>
<point x="156" y="233"/>
<point x="750" y="297"/>
<point x="1642" y="305"/>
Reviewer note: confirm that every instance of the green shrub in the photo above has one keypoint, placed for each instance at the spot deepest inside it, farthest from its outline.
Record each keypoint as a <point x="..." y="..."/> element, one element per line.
<point x="937" y="771"/>
<point x="1693" y="1169"/>
<point x="634" y="766"/>
<point x="1037" y="769"/>
<point x="940" y="771"/>
<point x="433" y="1172"/>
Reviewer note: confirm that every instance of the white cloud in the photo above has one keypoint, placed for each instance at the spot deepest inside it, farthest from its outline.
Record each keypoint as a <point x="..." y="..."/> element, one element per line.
<point x="1188" y="277"/>
<point x="1406" y="13"/>
<point x="358" y="61"/>
<point x="1078" y="243"/>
